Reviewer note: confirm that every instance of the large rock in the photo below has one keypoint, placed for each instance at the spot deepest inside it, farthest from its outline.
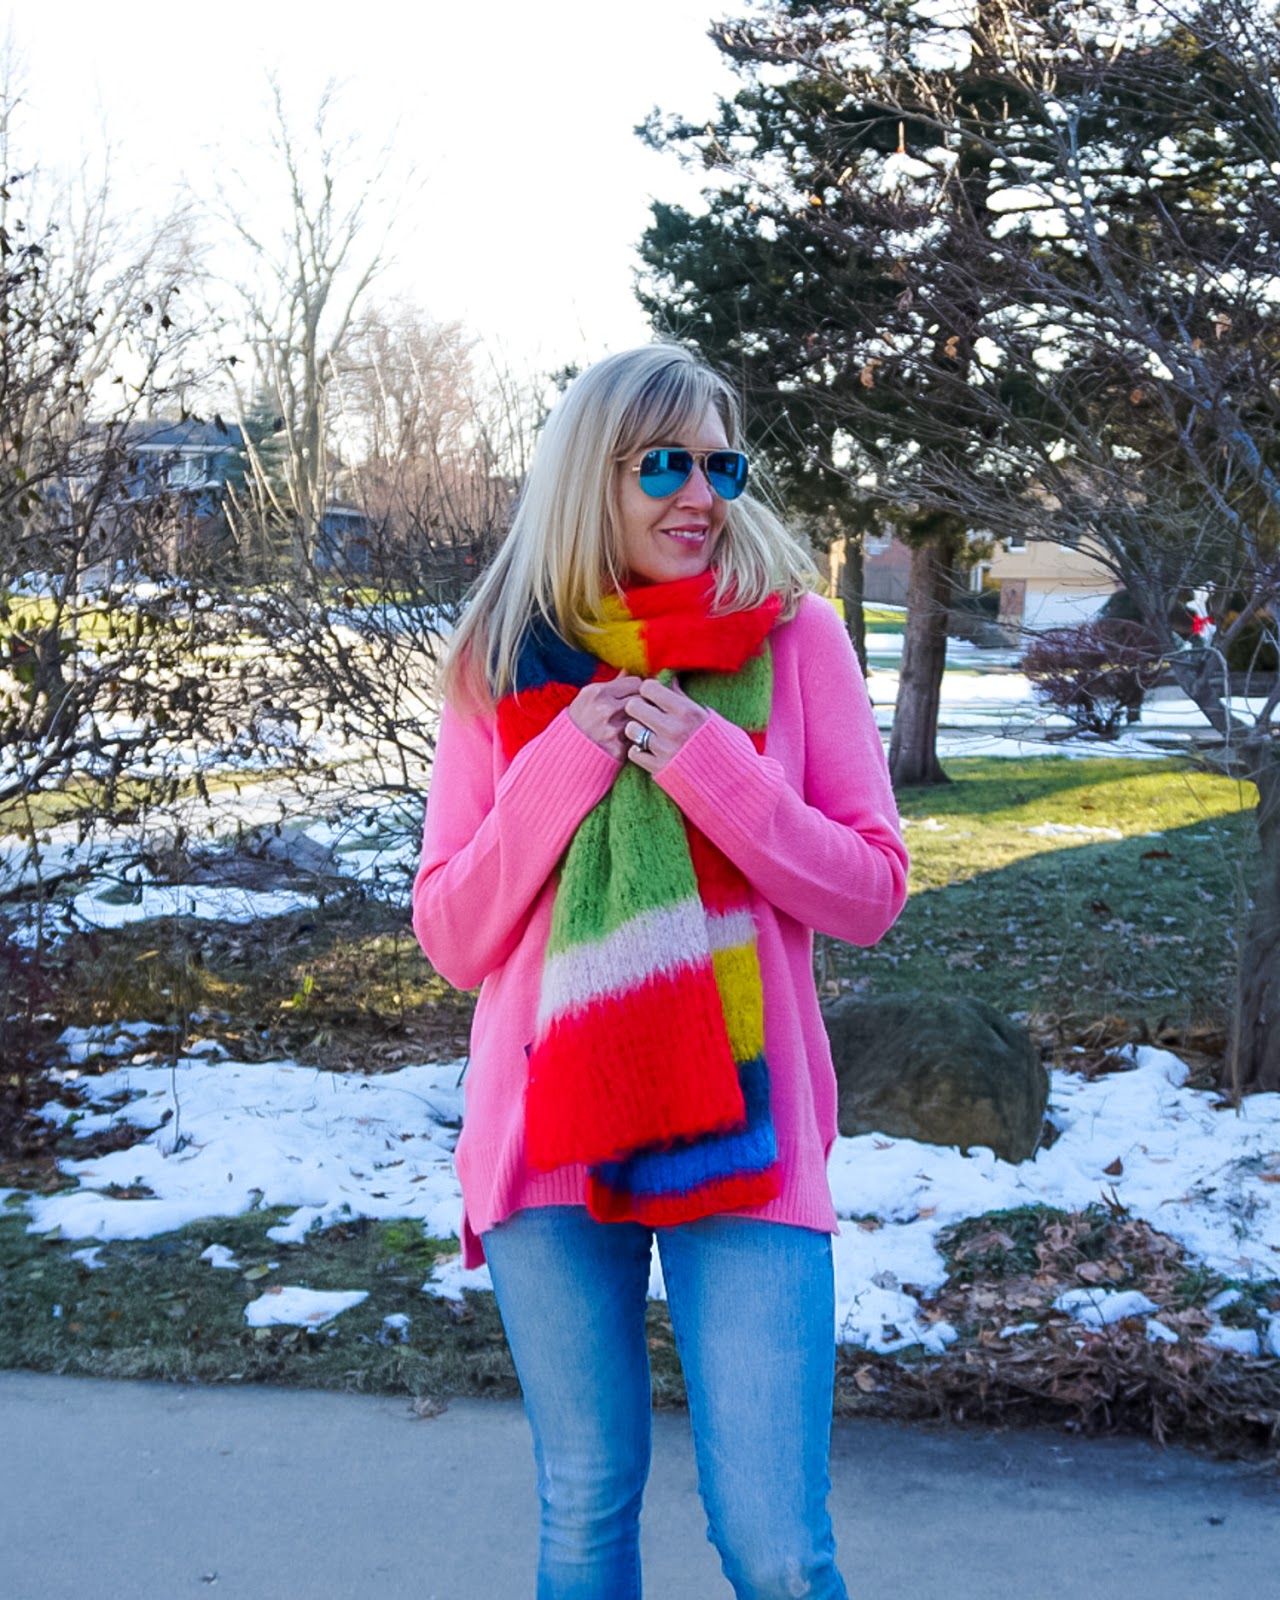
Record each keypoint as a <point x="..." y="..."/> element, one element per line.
<point x="942" y="1068"/>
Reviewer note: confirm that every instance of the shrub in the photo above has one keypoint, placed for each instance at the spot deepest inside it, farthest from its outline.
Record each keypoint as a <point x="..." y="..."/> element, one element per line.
<point x="1098" y="672"/>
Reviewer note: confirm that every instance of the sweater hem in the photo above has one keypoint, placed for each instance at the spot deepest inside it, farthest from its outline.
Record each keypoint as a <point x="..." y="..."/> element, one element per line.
<point x="507" y="1185"/>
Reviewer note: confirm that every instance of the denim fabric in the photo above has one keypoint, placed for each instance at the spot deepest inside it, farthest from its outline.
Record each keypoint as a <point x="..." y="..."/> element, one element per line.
<point x="751" y="1306"/>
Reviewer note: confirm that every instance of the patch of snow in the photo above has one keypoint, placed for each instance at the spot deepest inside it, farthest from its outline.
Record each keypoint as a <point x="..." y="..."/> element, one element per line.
<point x="295" y="1307"/>
<point x="90" y="1258"/>
<point x="222" y="1138"/>
<point x="1236" y="1341"/>
<point x="221" y="1257"/>
<point x="204" y="902"/>
<point x="1099" y="1308"/>
<point x="1053" y="830"/>
<point x="1220" y="1302"/>
<point x="394" y="1329"/>
<point x="1157" y="1330"/>
<point x="226" y="1137"/>
<point x="104" y="1039"/>
<point x="450" y="1279"/>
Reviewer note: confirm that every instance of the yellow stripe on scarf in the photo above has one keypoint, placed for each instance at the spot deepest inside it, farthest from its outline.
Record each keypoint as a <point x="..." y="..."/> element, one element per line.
<point x="620" y="639"/>
<point x="742" y="996"/>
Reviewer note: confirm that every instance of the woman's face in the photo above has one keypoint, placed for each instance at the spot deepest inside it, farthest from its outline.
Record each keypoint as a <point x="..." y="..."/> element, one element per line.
<point x="675" y="537"/>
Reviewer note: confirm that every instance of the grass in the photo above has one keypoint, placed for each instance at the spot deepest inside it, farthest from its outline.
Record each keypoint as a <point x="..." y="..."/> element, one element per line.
<point x="82" y="796"/>
<point x="154" y="1309"/>
<point x="1069" y="926"/>
<point x="876" y="619"/>
<point x="343" y="985"/>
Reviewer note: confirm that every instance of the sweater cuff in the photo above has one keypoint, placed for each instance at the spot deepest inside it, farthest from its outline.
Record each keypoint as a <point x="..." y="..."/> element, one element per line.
<point x="719" y="777"/>
<point x="562" y="759"/>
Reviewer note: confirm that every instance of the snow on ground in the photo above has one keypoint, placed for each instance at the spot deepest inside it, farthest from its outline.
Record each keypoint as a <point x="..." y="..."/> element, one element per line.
<point x="290" y="1305"/>
<point x="230" y="1136"/>
<point x="105" y="905"/>
<point x="986" y="712"/>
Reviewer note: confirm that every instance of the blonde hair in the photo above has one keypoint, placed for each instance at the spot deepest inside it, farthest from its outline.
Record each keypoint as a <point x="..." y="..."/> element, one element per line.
<point x="564" y="550"/>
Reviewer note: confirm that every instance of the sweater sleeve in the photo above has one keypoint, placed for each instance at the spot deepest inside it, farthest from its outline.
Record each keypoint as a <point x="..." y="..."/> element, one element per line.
<point x="490" y="845"/>
<point x="832" y="855"/>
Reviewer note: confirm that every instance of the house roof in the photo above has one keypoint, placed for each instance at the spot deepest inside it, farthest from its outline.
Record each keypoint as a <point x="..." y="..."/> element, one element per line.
<point x="194" y="436"/>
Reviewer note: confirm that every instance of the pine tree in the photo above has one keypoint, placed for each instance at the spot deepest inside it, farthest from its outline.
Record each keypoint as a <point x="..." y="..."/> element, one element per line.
<point x="1078" y="208"/>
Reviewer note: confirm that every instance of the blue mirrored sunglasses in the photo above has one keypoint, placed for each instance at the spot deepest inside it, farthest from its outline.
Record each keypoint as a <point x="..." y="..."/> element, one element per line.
<point x="662" y="472"/>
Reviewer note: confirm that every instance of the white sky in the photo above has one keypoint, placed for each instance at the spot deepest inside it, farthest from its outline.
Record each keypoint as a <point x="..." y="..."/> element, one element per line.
<point x="517" y="117"/>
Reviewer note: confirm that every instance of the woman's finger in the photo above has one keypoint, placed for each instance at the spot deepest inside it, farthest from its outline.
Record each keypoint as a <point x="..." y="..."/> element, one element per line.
<point x="667" y="697"/>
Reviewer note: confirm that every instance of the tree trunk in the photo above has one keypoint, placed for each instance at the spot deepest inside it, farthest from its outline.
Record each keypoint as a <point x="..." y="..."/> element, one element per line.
<point x="1255" y="1045"/>
<point x="913" y="755"/>
<point x="851" y="592"/>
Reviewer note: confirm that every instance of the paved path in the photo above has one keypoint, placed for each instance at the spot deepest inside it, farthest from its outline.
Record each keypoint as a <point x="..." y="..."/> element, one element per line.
<point x="138" y="1491"/>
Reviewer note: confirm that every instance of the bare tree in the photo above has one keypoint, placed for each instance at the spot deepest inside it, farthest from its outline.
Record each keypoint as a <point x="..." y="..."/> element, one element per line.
<point x="314" y="258"/>
<point x="105" y="662"/>
<point x="428" y="439"/>
<point x="433" y="454"/>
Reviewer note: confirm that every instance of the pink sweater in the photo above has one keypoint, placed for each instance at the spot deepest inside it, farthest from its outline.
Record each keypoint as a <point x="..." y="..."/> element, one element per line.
<point x="811" y="824"/>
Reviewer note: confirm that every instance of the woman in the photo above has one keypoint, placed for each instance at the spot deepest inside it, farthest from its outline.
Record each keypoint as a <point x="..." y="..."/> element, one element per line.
<point x="657" y="773"/>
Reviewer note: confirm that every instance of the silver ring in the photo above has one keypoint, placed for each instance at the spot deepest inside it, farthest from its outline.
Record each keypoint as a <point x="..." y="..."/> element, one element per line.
<point x="641" y="741"/>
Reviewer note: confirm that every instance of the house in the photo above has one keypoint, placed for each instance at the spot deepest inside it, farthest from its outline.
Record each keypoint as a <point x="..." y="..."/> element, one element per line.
<point x="157" y="489"/>
<point x="1046" y="585"/>
<point x="168" y="509"/>
<point x="1042" y="584"/>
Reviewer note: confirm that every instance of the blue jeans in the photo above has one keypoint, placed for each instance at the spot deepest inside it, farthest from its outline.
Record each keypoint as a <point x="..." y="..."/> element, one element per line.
<point x="752" y="1310"/>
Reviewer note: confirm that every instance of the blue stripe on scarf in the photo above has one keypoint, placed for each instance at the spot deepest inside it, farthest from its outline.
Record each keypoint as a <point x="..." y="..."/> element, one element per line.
<point x="684" y="1169"/>
<point x="547" y="658"/>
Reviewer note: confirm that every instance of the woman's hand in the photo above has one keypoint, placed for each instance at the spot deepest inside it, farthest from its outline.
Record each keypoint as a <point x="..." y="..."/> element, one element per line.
<point x="600" y="710"/>
<point x="670" y="717"/>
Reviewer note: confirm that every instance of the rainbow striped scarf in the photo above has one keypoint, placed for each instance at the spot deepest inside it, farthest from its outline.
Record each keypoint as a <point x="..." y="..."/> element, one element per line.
<point x="648" y="1060"/>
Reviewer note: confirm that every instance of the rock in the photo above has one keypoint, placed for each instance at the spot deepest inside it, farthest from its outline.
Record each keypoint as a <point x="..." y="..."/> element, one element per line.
<point x="295" y="850"/>
<point x="945" y="1069"/>
<point x="274" y="856"/>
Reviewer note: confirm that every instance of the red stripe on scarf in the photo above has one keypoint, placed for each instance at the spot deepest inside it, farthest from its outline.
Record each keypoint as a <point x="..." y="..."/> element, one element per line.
<point x="523" y="716"/>
<point x="679" y="634"/>
<point x="721" y="887"/>
<point x="614" y="1087"/>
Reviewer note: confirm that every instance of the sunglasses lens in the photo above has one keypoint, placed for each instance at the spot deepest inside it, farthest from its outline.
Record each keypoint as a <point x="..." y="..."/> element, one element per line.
<point x="727" y="473"/>
<point x="662" y="472"/>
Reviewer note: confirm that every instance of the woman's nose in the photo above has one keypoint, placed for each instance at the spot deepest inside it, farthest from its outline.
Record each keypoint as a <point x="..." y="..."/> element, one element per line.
<point x="697" y="492"/>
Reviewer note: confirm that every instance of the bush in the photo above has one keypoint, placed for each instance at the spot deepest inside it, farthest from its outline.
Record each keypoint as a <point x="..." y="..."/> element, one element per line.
<point x="1098" y="672"/>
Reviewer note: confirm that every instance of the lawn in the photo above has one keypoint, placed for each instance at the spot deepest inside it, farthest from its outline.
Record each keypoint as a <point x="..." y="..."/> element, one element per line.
<point x="1079" y="893"/>
<point x="877" y="619"/>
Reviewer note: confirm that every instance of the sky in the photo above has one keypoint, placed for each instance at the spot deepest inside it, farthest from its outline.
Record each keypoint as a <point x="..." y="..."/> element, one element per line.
<point x="529" y="187"/>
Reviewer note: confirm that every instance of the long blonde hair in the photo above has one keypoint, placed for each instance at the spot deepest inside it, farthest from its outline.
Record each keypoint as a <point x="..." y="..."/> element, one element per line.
<point x="564" y="550"/>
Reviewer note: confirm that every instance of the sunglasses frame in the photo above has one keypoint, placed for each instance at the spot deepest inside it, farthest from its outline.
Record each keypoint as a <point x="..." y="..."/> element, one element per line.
<point x="699" y="459"/>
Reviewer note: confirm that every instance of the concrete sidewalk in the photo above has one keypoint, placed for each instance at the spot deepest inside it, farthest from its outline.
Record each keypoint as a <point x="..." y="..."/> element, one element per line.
<point x="135" y="1491"/>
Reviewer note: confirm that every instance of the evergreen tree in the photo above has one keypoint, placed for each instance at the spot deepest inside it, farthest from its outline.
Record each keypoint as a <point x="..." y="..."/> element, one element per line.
<point x="1078" y="209"/>
<point x="815" y="270"/>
